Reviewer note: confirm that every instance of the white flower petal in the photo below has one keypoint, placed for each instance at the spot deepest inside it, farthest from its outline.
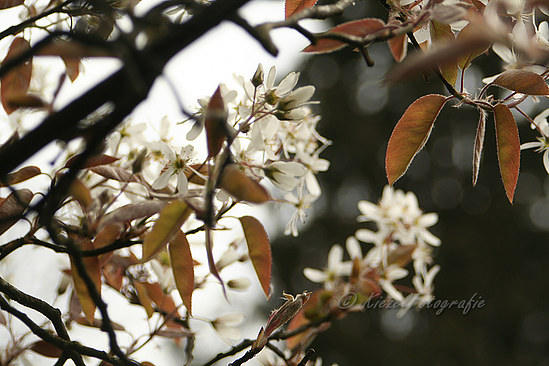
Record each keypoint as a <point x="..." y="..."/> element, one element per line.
<point x="163" y="180"/>
<point x="315" y="275"/>
<point x="353" y="247"/>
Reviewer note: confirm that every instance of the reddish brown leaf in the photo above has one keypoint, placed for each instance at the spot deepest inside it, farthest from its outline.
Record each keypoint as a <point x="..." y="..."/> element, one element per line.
<point x="164" y="302"/>
<point x="21" y="175"/>
<point x="106" y="236"/>
<point x="132" y="212"/>
<point x="411" y="133"/>
<point x="81" y="193"/>
<point x="72" y="50"/>
<point x="144" y="298"/>
<point x="115" y="173"/>
<point x="181" y="261"/>
<point x="468" y="34"/>
<point x="398" y="46"/>
<point x="242" y="187"/>
<point x="91" y="265"/>
<point x="508" y="144"/>
<point x="479" y="143"/>
<point x="12" y="207"/>
<point x="259" y="249"/>
<point x="72" y="67"/>
<point x="443" y="33"/>
<point x="94" y="161"/>
<point x="25" y="101"/>
<point x="312" y="310"/>
<point x="174" y="333"/>
<point x="215" y="122"/>
<point x="5" y="4"/>
<point x="46" y="349"/>
<point x="522" y="81"/>
<point x="97" y="323"/>
<point x="169" y="221"/>
<point x="294" y="6"/>
<point x="359" y="28"/>
<point x="17" y="80"/>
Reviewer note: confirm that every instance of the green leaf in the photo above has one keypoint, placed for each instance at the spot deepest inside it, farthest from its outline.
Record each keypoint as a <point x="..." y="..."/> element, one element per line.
<point x="292" y="7"/>
<point x="359" y="28"/>
<point x="508" y="144"/>
<point x="169" y="221"/>
<point x="259" y="250"/>
<point x="411" y="133"/>
<point x="522" y="81"/>
<point x="12" y="208"/>
<point x="443" y="33"/>
<point x="182" y="267"/>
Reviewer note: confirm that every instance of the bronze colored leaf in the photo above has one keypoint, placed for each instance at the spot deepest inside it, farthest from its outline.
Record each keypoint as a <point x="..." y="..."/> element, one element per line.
<point x="522" y="81"/>
<point x="479" y="143"/>
<point x="133" y="211"/>
<point x="292" y="7"/>
<point x="169" y="221"/>
<point x="5" y="4"/>
<point x="115" y="173"/>
<point x="215" y="122"/>
<point x="91" y="265"/>
<point x="181" y="261"/>
<point x="21" y="175"/>
<point x="17" y="101"/>
<point x="164" y="302"/>
<point x="72" y="50"/>
<point x="80" y="193"/>
<point x="46" y="349"/>
<point x="359" y="28"/>
<point x="97" y="323"/>
<point x="94" y="161"/>
<point x="17" y="80"/>
<point x="443" y="33"/>
<point x="411" y="133"/>
<point x="12" y="208"/>
<point x="467" y="34"/>
<point x="398" y="47"/>
<point x="106" y="236"/>
<point x="72" y="67"/>
<point x="259" y="249"/>
<point x="144" y="298"/>
<point x="242" y="187"/>
<point x="508" y="144"/>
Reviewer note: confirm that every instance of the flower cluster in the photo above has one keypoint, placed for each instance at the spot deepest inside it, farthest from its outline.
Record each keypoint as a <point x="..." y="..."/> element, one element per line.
<point x="402" y="236"/>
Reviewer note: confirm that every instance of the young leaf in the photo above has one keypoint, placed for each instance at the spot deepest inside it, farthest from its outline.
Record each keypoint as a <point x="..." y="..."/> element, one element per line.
<point x="508" y="145"/>
<point x="46" y="349"/>
<point x="12" y="207"/>
<point x="479" y="143"/>
<point x="359" y="28"/>
<point x="133" y="211"/>
<point x="259" y="250"/>
<point x="5" y="4"/>
<point x="169" y="221"/>
<point x="411" y="133"/>
<point x="443" y="33"/>
<point x="215" y="122"/>
<point x="81" y="193"/>
<point x="398" y="47"/>
<point x="97" y="323"/>
<point x="115" y="173"/>
<point x="164" y="302"/>
<point x="469" y="32"/>
<point x="72" y="67"/>
<point x="91" y="265"/>
<point x="182" y="267"/>
<point x="94" y="161"/>
<point x="242" y="187"/>
<point x="106" y="236"/>
<point x="292" y="7"/>
<point x="17" y="80"/>
<point x="144" y="298"/>
<point x="21" y="175"/>
<point x="522" y="81"/>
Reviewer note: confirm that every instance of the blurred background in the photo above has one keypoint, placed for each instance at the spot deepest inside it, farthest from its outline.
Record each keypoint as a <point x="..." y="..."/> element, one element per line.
<point x="491" y="250"/>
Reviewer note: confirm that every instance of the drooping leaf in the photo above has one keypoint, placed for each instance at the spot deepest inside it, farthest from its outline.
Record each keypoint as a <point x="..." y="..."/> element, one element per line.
<point x="5" y="4"/>
<point x="467" y="34"/>
<point x="215" y="122"/>
<point x="508" y="145"/>
<point x="16" y="82"/>
<point x="133" y="211"/>
<point x="479" y="143"/>
<point x="292" y="7"/>
<point x="81" y="193"/>
<point x="72" y="67"/>
<point x="164" y="302"/>
<point x="17" y="101"/>
<point x="21" y="175"/>
<point x="12" y="207"/>
<point x="259" y="249"/>
<point x="411" y="133"/>
<point x="359" y="28"/>
<point x="443" y="33"/>
<point x="106" y="236"/>
<point x="91" y="265"/>
<point x="398" y="47"/>
<point x="97" y="160"/>
<point x="242" y="187"/>
<point x="181" y="261"/>
<point x="169" y="221"/>
<point x="144" y="298"/>
<point x="46" y="349"/>
<point x="522" y="81"/>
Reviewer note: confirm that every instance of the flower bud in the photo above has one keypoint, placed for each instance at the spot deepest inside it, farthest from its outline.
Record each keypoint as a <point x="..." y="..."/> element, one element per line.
<point x="258" y="77"/>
